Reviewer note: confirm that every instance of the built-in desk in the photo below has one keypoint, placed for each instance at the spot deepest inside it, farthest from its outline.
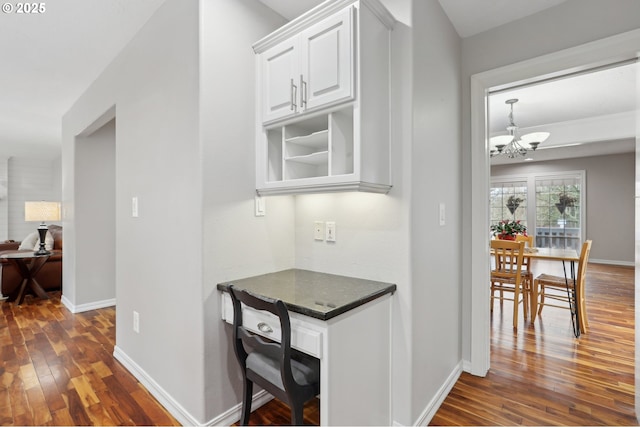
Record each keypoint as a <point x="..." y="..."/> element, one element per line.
<point x="343" y="321"/>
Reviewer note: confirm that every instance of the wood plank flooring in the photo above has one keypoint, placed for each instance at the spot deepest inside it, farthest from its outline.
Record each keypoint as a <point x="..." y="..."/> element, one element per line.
<point x="57" y="368"/>
<point x="542" y="375"/>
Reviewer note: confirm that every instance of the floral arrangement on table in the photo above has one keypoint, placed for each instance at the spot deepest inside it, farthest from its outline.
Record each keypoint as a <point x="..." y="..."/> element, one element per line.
<point x="507" y="229"/>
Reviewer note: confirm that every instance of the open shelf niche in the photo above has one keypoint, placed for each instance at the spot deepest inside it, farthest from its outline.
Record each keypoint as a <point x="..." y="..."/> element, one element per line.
<point x="316" y="147"/>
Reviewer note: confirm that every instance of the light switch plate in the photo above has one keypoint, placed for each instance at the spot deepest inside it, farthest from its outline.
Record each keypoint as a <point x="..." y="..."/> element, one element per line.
<point x="442" y="214"/>
<point x="134" y="207"/>
<point x="318" y="230"/>
<point x="260" y="206"/>
<point x="331" y="231"/>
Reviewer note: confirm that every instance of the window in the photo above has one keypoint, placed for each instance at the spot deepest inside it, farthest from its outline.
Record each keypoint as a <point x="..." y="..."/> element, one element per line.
<point x="550" y="205"/>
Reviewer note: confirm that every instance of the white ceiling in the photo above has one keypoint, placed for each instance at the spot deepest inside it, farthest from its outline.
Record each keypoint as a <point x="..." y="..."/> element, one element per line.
<point x="594" y="113"/>
<point x="48" y="61"/>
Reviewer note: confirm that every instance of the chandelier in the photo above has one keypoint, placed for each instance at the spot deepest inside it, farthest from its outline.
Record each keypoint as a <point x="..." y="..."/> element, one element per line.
<point x="512" y="145"/>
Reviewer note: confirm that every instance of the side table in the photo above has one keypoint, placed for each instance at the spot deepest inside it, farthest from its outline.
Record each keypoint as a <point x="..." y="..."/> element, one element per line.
<point x="28" y="271"/>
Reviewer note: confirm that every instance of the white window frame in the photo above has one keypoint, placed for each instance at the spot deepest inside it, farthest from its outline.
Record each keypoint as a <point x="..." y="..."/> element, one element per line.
<point x="531" y="178"/>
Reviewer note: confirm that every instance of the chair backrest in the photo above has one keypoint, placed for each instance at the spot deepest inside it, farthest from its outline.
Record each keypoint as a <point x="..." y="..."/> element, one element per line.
<point x="584" y="260"/>
<point x="245" y="339"/>
<point x="527" y="239"/>
<point x="508" y="256"/>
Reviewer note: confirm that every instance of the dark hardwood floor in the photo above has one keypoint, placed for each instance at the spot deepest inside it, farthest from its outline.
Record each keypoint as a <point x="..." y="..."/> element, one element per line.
<point x="57" y="368"/>
<point x="542" y="375"/>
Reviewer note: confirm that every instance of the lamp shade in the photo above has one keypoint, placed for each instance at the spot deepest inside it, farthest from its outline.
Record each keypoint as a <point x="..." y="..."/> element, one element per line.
<point x="41" y="211"/>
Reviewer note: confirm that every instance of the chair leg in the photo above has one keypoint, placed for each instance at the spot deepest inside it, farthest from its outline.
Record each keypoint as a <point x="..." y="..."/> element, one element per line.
<point x="297" y="418"/>
<point x="516" y="298"/>
<point x="541" y="303"/>
<point x="525" y="299"/>
<point x="247" y="395"/>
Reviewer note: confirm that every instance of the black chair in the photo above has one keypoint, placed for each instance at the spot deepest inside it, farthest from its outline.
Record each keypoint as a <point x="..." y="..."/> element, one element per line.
<point x="289" y="375"/>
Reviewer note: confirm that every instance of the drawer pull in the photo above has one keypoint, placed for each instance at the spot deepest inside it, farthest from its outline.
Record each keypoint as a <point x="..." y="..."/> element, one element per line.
<point x="263" y="327"/>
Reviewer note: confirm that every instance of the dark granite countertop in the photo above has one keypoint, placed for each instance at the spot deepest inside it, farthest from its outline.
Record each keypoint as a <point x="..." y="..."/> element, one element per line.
<point x="318" y="295"/>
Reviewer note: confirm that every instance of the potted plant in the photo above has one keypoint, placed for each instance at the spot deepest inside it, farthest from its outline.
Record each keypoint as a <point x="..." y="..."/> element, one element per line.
<point x="507" y="230"/>
<point x="513" y="202"/>
<point x="565" y="201"/>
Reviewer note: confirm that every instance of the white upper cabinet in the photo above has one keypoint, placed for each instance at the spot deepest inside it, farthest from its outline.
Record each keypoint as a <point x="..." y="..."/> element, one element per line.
<point x="309" y="70"/>
<point x="280" y="66"/>
<point x="323" y="101"/>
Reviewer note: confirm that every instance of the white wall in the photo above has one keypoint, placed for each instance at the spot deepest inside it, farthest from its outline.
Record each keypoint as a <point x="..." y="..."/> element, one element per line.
<point x="95" y="214"/>
<point x="236" y="243"/>
<point x="570" y="24"/>
<point x="4" y="198"/>
<point x="436" y="178"/>
<point x="152" y="88"/>
<point x="609" y="200"/>
<point x="30" y="179"/>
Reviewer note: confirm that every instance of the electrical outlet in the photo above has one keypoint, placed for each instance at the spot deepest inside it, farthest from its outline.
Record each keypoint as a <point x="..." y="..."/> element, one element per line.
<point x="136" y="322"/>
<point x="331" y="231"/>
<point x="442" y="215"/>
<point x="318" y="230"/>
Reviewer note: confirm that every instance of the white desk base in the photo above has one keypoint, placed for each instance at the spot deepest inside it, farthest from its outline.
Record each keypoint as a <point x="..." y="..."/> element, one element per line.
<point x="355" y="358"/>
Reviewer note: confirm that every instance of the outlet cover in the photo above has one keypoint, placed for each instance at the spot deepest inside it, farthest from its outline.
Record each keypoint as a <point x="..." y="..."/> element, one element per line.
<point x="318" y="230"/>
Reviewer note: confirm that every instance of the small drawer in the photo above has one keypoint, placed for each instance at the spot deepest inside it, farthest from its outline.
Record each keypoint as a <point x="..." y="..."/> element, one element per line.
<point x="303" y="337"/>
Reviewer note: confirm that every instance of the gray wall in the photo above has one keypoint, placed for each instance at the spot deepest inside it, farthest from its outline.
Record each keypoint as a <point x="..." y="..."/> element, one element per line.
<point x="236" y="244"/>
<point x="610" y="215"/>
<point x="29" y="179"/>
<point x="152" y="88"/>
<point x="95" y="215"/>
<point x="569" y="24"/>
<point x="436" y="172"/>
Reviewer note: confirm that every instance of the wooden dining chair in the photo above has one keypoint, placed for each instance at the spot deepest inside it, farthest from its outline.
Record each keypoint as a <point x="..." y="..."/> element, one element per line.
<point x="506" y="275"/>
<point x="558" y="291"/>
<point x="527" y="272"/>
<point x="289" y="375"/>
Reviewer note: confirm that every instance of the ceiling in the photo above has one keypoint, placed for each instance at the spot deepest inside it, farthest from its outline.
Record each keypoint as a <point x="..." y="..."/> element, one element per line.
<point x="51" y="58"/>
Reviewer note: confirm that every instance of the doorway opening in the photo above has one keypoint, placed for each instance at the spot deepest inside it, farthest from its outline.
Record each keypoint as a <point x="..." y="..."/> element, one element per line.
<point x="600" y="53"/>
<point x="95" y="217"/>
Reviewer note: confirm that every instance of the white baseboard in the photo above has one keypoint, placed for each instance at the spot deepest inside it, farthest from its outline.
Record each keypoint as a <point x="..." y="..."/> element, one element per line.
<point x="432" y="407"/>
<point x="612" y="262"/>
<point x="87" y="307"/>
<point x="233" y="414"/>
<point x="165" y="399"/>
<point x="227" y="418"/>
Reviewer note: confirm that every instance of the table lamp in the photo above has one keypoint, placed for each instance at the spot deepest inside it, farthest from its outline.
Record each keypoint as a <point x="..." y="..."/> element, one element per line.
<point x="42" y="211"/>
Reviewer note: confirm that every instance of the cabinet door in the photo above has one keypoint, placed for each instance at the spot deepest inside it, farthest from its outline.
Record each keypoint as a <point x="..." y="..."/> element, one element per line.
<point x="327" y="61"/>
<point x="280" y="81"/>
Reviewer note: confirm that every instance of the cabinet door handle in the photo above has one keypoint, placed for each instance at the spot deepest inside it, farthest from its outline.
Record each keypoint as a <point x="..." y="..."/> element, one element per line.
<point x="263" y="327"/>
<point x="294" y="95"/>
<point x="303" y="93"/>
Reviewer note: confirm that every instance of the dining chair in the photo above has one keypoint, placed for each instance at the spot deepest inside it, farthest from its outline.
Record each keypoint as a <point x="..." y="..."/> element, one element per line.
<point x="527" y="272"/>
<point x="560" y="289"/>
<point x="289" y="375"/>
<point x="506" y="275"/>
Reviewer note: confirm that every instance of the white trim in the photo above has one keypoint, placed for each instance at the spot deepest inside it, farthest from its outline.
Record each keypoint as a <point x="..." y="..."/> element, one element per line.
<point x="88" y="306"/>
<point x="165" y="399"/>
<point x="612" y="262"/>
<point x="228" y="417"/>
<point x="531" y="178"/>
<point x="600" y="52"/>
<point x="233" y="414"/>
<point x="433" y="406"/>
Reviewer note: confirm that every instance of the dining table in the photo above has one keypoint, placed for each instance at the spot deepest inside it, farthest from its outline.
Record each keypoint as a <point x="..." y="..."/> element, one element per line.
<point x="566" y="256"/>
